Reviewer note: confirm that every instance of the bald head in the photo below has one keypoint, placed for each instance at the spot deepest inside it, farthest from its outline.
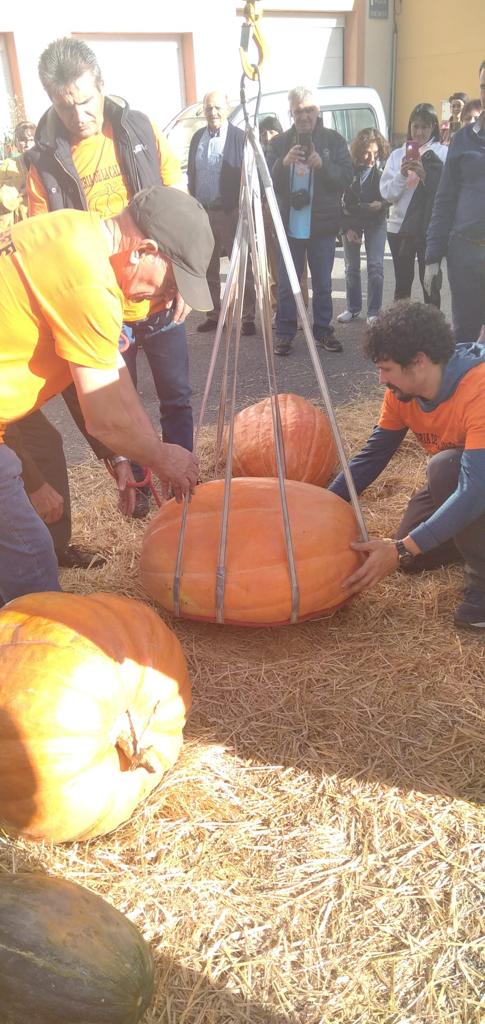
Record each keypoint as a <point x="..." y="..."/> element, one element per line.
<point x="216" y="108"/>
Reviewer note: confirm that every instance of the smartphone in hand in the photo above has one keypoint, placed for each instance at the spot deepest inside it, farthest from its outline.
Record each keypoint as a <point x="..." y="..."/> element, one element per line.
<point x="412" y="150"/>
<point x="305" y="142"/>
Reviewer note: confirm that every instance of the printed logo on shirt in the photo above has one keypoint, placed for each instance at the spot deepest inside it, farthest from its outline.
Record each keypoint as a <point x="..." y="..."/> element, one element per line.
<point x="434" y="443"/>
<point x="101" y="174"/>
<point x="6" y="245"/>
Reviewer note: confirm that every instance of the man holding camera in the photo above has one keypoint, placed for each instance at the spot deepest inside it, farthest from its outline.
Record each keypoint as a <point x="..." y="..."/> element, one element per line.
<point x="311" y="167"/>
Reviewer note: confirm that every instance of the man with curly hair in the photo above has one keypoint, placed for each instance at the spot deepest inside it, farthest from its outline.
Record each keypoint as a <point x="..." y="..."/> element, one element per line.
<point x="436" y="389"/>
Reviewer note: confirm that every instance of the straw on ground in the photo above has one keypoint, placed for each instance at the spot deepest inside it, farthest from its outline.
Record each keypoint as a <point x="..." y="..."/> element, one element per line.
<point x="314" y="857"/>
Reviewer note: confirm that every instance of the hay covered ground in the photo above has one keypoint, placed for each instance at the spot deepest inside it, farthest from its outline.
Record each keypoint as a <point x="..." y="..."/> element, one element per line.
<point x="314" y="856"/>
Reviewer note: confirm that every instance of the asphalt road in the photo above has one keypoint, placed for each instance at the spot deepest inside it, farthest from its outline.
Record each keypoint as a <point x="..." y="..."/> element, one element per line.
<point x="348" y="375"/>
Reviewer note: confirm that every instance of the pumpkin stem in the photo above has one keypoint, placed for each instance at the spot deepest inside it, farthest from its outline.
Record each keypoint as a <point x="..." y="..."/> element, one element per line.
<point x="129" y="744"/>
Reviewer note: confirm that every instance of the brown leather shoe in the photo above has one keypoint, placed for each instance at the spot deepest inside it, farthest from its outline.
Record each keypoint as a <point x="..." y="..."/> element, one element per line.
<point x="74" y="557"/>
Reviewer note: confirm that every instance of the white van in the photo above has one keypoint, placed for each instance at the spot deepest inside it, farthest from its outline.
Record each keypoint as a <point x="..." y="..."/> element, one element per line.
<point x="347" y="109"/>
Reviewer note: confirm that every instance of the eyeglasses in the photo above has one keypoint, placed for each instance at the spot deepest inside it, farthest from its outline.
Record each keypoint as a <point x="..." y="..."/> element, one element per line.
<point x="217" y="110"/>
<point x="305" y="110"/>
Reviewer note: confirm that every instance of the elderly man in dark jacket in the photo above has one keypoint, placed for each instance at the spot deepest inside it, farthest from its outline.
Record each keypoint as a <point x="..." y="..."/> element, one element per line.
<point x="311" y="167"/>
<point x="214" y="178"/>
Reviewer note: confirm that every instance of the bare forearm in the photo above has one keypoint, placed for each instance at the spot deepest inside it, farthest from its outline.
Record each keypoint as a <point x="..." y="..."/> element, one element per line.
<point x="128" y="429"/>
<point x="113" y="414"/>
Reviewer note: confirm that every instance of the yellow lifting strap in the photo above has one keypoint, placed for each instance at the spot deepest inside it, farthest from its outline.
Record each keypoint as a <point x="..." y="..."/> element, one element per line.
<point x="251" y="30"/>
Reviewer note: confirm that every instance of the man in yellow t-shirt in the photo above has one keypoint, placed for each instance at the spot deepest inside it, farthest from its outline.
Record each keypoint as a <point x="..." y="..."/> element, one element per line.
<point x="93" y="152"/>
<point x="63" y="281"/>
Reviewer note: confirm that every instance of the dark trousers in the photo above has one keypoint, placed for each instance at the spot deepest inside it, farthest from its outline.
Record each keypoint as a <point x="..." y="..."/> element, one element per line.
<point x="404" y="251"/>
<point x="468" y="545"/>
<point x="466" y="274"/>
<point x="44" y="445"/>
<point x="224" y="229"/>
<point x="166" y="350"/>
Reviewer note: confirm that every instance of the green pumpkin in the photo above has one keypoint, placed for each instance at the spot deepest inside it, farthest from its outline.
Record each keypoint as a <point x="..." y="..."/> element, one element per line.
<point x="68" y="957"/>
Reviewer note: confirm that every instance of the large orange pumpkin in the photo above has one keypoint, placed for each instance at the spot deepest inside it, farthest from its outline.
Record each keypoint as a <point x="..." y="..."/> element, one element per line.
<point x="257" y="579"/>
<point x="310" y="453"/>
<point x="93" y="699"/>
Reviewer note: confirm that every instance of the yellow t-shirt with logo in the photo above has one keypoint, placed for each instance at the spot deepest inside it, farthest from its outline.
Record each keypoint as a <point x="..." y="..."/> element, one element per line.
<point x="59" y="303"/>
<point x="106" y="193"/>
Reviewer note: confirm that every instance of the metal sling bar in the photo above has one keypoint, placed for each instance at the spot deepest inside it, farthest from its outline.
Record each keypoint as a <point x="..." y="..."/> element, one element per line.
<point x="222" y="553"/>
<point x="227" y="297"/>
<point x="312" y="348"/>
<point x="221" y="415"/>
<point x="230" y="283"/>
<point x="258" y="252"/>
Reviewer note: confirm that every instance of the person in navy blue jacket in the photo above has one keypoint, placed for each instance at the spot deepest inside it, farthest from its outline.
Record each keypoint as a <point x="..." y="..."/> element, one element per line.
<point x="214" y="178"/>
<point x="457" y="226"/>
<point x="437" y="390"/>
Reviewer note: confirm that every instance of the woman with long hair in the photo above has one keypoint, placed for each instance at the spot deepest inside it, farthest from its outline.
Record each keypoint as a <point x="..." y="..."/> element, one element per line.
<point x="409" y="182"/>
<point x="364" y="218"/>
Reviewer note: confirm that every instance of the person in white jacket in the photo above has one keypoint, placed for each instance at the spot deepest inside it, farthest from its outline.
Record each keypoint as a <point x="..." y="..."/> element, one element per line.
<point x="409" y="182"/>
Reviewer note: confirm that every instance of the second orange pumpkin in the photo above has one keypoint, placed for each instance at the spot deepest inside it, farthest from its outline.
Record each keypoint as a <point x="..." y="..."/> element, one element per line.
<point x="310" y="453"/>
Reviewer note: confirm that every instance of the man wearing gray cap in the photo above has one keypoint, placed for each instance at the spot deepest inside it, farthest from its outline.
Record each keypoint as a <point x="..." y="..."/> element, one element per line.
<point x="64" y="278"/>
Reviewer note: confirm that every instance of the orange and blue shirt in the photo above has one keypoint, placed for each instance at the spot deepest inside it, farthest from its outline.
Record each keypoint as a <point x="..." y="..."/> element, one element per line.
<point x="454" y="419"/>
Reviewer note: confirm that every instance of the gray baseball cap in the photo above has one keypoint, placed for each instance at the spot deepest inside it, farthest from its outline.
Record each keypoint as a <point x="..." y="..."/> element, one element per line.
<point x="180" y="226"/>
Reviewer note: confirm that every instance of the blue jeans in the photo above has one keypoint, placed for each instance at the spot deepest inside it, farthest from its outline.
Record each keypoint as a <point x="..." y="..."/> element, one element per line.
<point x="466" y="275"/>
<point x="28" y="562"/>
<point x="374" y="236"/>
<point x="320" y="252"/>
<point x="165" y="346"/>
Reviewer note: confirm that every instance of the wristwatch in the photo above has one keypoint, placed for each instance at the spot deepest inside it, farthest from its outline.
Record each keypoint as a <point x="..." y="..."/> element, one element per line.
<point x="405" y="557"/>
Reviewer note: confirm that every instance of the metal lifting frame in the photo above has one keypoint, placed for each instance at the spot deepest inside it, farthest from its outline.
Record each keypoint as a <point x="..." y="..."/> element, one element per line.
<point x="250" y="238"/>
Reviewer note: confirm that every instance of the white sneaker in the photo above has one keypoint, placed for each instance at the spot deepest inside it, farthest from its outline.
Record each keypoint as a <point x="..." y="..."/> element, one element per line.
<point x="347" y="316"/>
<point x="371" y="320"/>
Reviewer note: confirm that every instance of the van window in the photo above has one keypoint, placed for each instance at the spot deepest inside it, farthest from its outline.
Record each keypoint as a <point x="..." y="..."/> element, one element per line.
<point x="268" y="113"/>
<point x="181" y="133"/>
<point x="350" y="120"/>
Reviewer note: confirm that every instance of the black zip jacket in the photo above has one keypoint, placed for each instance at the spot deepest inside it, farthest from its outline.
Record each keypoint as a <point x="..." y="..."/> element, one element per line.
<point x="418" y="213"/>
<point x="356" y="199"/>
<point x="134" y="143"/>
<point x="328" y="183"/>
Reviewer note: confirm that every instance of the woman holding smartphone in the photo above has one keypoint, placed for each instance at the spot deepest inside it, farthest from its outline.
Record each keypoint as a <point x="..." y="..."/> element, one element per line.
<point x="409" y="182"/>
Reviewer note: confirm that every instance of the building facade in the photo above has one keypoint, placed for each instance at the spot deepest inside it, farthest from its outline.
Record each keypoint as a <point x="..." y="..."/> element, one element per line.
<point x="440" y="47"/>
<point x="409" y="50"/>
<point x="189" y="47"/>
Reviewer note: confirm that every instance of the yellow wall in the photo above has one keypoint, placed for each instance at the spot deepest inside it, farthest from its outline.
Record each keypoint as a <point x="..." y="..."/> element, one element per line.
<point x="441" y="44"/>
